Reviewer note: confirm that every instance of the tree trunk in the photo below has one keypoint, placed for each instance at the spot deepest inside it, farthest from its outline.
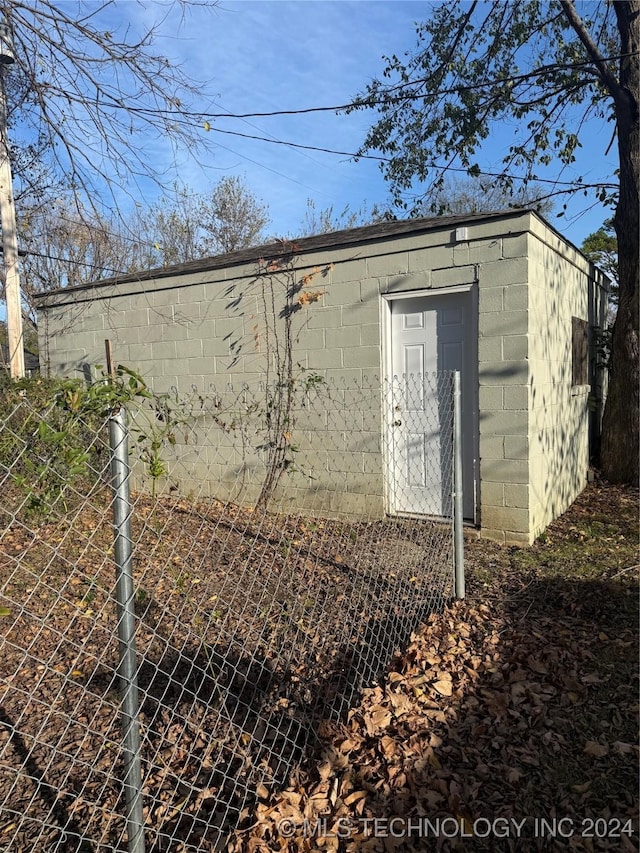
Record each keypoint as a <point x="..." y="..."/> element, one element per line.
<point x="620" y="433"/>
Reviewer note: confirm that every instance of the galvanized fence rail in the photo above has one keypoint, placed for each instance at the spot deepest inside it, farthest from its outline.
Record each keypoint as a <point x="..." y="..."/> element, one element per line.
<point x="186" y="599"/>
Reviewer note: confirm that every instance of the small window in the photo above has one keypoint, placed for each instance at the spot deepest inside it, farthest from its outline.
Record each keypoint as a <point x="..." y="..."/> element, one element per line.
<point x="579" y="351"/>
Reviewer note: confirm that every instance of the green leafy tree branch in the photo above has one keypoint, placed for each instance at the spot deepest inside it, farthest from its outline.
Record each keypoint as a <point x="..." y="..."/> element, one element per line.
<point x="545" y="70"/>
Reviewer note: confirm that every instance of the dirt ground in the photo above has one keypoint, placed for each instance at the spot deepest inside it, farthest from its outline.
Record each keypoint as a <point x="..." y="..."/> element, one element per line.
<point x="252" y="629"/>
<point x="511" y="715"/>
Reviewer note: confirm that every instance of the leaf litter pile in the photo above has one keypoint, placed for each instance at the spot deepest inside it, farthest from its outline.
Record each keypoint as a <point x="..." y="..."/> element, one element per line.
<point x="508" y="721"/>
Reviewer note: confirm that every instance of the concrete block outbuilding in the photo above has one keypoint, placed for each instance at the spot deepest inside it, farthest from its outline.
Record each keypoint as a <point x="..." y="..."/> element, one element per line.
<point x="502" y="297"/>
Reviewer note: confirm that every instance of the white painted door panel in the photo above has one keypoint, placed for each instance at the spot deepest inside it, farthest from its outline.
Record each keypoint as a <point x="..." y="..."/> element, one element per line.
<point x="429" y="335"/>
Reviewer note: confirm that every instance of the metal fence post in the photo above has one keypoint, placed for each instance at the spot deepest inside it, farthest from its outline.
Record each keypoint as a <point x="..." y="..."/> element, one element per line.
<point x="458" y="542"/>
<point x="119" y="445"/>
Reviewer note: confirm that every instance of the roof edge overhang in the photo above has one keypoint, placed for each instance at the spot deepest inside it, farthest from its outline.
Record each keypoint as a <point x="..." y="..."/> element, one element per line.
<point x="350" y="237"/>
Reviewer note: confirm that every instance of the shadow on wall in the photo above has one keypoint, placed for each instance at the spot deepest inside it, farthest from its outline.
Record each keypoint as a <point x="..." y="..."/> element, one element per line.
<point x="561" y="441"/>
<point x="554" y="429"/>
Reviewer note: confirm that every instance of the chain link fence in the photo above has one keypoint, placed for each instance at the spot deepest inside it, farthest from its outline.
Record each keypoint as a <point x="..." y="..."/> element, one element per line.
<point x="274" y="548"/>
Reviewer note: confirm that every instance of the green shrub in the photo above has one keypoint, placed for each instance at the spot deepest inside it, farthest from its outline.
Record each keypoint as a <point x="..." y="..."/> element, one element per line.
<point x="54" y="439"/>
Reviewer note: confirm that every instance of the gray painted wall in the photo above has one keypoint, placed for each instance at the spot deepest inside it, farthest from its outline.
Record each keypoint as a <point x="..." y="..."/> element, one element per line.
<point x="193" y="327"/>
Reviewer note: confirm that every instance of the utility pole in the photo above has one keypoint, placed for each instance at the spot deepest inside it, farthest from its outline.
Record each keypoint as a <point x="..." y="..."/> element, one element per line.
<point x="8" y="219"/>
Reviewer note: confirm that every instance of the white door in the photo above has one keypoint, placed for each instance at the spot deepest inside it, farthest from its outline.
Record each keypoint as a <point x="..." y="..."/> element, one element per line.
<point x="431" y="334"/>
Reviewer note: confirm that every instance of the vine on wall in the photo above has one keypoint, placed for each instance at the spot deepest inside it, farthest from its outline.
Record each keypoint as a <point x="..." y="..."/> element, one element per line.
<point x="283" y="294"/>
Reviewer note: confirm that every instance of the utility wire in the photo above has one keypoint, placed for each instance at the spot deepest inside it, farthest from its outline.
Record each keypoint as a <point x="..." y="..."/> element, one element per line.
<point x="576" y="184"/>
<point x="365" y="101"/>
<point x="275" y="141"/>
<point x="29" y="253"/>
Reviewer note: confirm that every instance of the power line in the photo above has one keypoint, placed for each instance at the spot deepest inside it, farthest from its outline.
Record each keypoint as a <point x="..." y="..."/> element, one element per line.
<point x="365" y="102"/>
<point x="357" y="155"/>
<point x="275" y="141"/>
<point x="302" y="153"/>
<point x="29" y="253"/>
<point x="257" y="163"/>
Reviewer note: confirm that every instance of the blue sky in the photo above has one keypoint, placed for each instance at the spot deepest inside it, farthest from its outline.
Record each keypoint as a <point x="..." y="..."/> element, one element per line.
<point x="252" y="56"/>
<point x="261" y="55"/>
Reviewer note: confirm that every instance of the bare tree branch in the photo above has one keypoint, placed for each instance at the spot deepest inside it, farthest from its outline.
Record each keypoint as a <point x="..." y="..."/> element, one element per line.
<point x="95" y="99"/>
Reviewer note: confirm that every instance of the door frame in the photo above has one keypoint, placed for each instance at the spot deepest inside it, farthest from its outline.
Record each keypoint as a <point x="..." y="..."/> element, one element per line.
<point x="387" y="369"/>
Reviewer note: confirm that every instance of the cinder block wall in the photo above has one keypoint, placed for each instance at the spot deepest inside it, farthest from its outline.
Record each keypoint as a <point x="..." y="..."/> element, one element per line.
<point x="206" y="330"/>
<point x="558" y="413"/>
<point x="199" y="328"/>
